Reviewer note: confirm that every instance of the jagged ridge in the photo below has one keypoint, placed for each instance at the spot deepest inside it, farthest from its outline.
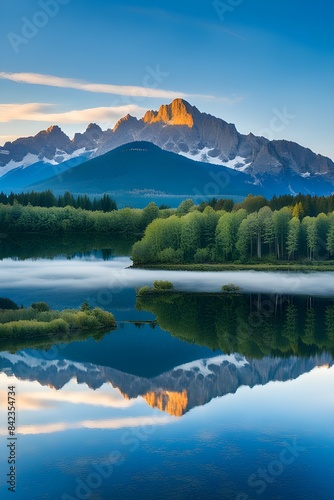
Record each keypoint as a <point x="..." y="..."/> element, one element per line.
<point x="181" y="128"/>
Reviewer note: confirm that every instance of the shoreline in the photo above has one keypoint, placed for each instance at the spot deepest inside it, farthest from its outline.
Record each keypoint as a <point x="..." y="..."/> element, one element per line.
<point x="237" y="267"/>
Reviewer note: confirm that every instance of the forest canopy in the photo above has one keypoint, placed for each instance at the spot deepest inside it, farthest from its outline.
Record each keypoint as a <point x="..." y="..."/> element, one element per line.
<point x="239" y="236"/>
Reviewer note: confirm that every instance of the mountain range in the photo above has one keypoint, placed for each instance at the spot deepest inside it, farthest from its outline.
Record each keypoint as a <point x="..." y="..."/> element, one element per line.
<point x="268" y="167"/>
<point x="175" y="391"/>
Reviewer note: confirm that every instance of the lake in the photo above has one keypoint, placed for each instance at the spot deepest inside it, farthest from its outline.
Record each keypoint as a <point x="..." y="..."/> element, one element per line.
<point x="195" y="395"/>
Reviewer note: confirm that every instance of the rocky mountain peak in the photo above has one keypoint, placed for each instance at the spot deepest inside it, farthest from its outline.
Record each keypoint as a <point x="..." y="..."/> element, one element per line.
<point x="89" y="138"/>
<point x="179" y="112"/>
<point x="128" y="118"/>
<point x="93" y="127"/>
<point x="52" y="135"/>
<point x="54" y="129"/>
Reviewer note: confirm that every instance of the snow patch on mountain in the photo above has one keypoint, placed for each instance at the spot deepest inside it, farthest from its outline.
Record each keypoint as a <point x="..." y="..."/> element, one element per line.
<point x="203" y="156"/>
<point x="37" y="362"/>
<point x="31" y="159"/>
<point x="62" y="156"/>
<point x="28" y="160"/>
<point x="238" y="163"/>
<point x="202" y="365"/>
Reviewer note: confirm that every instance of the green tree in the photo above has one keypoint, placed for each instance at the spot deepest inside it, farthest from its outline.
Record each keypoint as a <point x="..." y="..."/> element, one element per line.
<point x="244" y="236"/>
<point x="292" y="244"/>
<point x="209" y="223"/>
<point x="322" y="223"/>
<point x="149" y="213"/>
<point x="311" y="236"/>
<point x="298" y="210"/>
<point x="330" y="236"/>
<point x="281" y="219"/>
<point x="227" y="234"/>
<point x="185" y="207"/>
<point x="190" y="234"/>
<point x="253" y="203"/>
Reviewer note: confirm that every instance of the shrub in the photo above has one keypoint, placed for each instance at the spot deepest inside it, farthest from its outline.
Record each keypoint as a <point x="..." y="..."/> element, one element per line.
<point x="105" y="318"/>
<point x="58" y="326"/>
<point x="144" y="290"/>
<point x="6" y="316"/>
<point x="32" y="328"/>
<point x="84" y="321"/>
<point x="31" y="322"/>
<point x="47" y="316"/>
<point x="163" y="285"/>
<point x="231" y="288"/>
<point x="70" y="317"/>
<point x="41" y="306"/>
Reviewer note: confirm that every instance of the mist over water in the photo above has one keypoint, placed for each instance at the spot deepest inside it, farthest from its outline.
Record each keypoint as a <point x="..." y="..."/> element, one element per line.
<point x="79" y="400"/>
<point x="117" y="274"/>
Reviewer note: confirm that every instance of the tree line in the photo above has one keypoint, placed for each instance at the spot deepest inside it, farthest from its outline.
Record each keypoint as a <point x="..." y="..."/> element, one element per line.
<point x="128" y="222"/>
<point x="48" y="199"/>
<point x="237" y="236"/>
<point x="308" y="205"/>
<point x="190" y="233"/>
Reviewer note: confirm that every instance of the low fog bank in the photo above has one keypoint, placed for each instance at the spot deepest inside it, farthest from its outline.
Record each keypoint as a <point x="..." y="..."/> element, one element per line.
<point x="116" y="275"/>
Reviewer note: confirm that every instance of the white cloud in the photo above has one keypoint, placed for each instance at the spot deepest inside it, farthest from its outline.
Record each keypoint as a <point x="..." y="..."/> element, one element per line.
<point x="100" y="88"/>
<point x="119" y="423"/>
<point x="5" y="138"/>
<point x="10" y="112"/>
<point x="230" y="101"/>
<point x="41" y="112"/>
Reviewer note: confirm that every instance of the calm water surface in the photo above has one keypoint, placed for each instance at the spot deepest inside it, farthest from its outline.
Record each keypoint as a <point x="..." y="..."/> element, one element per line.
<point x="177" y="403"/>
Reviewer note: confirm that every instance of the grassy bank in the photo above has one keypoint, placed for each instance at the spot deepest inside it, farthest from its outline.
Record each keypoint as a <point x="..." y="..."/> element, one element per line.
<point x="309" y="267"/>
<point x="45" y="342"/>
<point x="39" y="320"/>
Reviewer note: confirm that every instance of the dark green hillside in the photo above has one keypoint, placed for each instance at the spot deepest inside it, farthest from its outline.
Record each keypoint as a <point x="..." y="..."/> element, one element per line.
<point x="141" y="169"/>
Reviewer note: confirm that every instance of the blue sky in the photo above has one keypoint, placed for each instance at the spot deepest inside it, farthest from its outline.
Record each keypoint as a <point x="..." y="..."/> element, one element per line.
<point x="266" y="66"/>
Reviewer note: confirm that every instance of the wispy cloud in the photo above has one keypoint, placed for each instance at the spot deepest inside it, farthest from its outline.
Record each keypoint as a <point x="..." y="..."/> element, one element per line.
<point x="230" y="101"/>
<point x="100" y="88"/>
<point x="119" y="423"/>
<point x="42" y="112"/>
